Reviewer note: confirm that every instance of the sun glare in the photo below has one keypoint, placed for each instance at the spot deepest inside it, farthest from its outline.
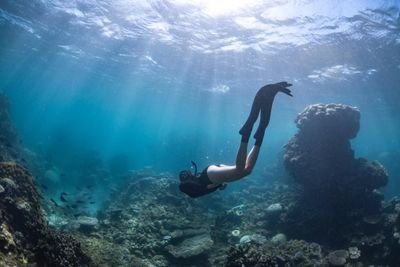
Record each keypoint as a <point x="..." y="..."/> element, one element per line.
<point x="220" y="7"/>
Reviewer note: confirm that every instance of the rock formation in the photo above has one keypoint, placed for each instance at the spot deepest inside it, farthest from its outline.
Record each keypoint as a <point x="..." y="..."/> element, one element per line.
<point x="339" y="189"/>
<point x="9" y="147"/>
<point x="24" y="234"/>
<point x="25" y="238"/>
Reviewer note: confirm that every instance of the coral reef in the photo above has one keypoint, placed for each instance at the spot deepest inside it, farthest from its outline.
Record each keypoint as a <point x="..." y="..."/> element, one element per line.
<point x="336" y="184"/>
<point x="292" y="253"/>
<point x="319" y="156"/>
<point x="8" y="133"/>
<point x="9" y="145"/>
<point x="332" y="215"/>
<point x="150" y="220"/>
<point x="192" y="246"/>
<point x="24" y="234"/>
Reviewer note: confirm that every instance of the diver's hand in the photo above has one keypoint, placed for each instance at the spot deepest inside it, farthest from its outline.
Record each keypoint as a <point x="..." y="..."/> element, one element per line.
<point x="278" y="87"/>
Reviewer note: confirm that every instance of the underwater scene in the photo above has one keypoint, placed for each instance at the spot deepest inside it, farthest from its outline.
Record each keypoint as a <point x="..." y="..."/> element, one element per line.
<point x="158" y="133"/>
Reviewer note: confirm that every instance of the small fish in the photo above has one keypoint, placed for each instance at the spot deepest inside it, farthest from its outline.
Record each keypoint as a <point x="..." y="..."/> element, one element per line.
<point x="62" y="175"/>
<point x="77" y="214"/>
<point x="63" y="199"/>
<point x="44" y="186"/>
<point x="74" y="206"/>
<point x="54" y="202"/>
<point x="64" y="194"/>
<point x="92" y="202"/>
<point x="80" y="201"/>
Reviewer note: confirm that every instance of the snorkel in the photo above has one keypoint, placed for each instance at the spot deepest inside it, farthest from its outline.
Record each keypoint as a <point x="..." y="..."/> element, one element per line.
<point x="194" y="166"/>
<point x="185" y="175"/>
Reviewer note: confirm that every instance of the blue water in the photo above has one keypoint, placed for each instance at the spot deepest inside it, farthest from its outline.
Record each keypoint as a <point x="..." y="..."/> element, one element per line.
<point x="155" y="84"/>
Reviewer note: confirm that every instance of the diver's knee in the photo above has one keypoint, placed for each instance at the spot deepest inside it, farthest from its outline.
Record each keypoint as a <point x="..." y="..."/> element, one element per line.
<point x="247" y="171"/>
<point x="244" y="172"/>
<point x="240" y="167"/>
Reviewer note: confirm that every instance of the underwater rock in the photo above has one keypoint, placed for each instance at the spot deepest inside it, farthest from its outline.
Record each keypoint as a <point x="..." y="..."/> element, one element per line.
<point x="292" y="253"/>
<point x="275" y="208"/>
<point x="183" y="233"/>
<point x="279" y="239"/>
<point x="336" y="184"/>
<point x="258" y="239"/>
<point x="9" y="146"/>
<point x="192" y="246"/>
<point x="8" y="183"/>
<point x="321" y="152"/>
<point x="23" y="224"/>
<point x="57" y="221"/>
<point x="254" y="238"/>
<point x="338" y="257"/>
<point x="87" y="224"/>
<point x="245" y="239"/>
<point x="323" y="120"/>
<point x="23" y="206"/>
<point x="7" y="242"/>
<point x="316" y="250"/>
<point x="354" y="253"/>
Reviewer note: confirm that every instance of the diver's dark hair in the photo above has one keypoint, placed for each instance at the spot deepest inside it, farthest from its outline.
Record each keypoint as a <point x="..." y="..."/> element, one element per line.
<point x="185" y="175"/>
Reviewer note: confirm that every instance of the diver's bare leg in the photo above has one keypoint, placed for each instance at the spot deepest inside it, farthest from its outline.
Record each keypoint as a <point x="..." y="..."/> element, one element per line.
<point x="246" y="162"/>
<point x="241" y="157"/>
<point x="244" y="166"/>
<point x="252" y="158"/>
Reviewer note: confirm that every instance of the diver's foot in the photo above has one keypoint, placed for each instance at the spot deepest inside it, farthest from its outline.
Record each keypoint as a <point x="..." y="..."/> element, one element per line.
<point x="270" y="90"/>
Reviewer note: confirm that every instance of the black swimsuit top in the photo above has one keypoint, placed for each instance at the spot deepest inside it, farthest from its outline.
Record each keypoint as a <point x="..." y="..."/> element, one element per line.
<point x="197" y="186"/>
